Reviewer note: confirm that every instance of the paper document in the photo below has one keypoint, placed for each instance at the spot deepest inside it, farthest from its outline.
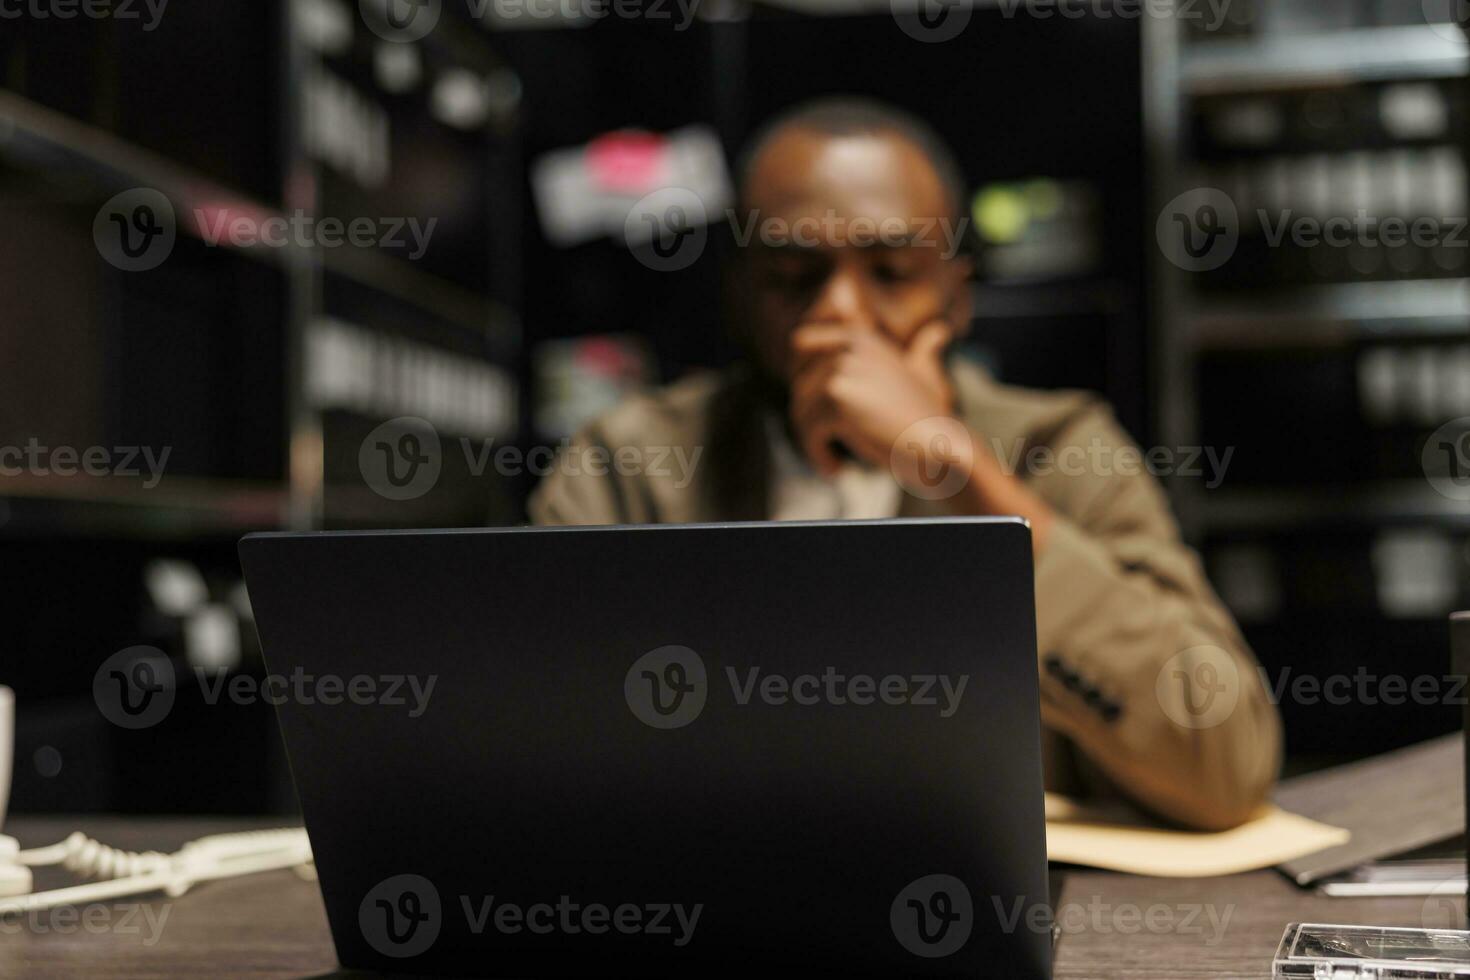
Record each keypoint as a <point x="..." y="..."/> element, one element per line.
<point x="1116" y="838"/>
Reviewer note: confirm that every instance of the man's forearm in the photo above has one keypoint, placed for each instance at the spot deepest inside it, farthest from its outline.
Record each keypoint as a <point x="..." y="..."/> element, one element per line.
<point x="1143" y="671"/>
<point x="991" y="490"/>
<point x="987" y="488"/>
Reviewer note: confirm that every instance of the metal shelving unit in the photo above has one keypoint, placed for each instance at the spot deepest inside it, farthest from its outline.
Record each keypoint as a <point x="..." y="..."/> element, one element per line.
<point x="1269" y="356"/>
<point x="1334" y="314"/>
<point x="1400" y="503"/>
<point x="36" y="136"/>
<point x="1334" y="58"/>
<point x="69" y="144"/>
<point x="81" y="506"/>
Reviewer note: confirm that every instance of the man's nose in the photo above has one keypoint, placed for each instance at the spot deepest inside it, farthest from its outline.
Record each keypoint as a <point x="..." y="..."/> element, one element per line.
<point x="843" y="302"/>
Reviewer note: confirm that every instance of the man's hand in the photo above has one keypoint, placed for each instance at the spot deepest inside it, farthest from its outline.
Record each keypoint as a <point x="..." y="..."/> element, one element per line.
<point x="861" y="390"/>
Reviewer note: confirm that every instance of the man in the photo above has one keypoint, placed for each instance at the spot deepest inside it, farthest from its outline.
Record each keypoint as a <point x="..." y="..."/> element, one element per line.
<point x="848" y="296"/>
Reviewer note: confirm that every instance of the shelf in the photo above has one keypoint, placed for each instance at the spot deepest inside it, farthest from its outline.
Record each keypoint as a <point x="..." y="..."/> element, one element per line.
<point x="1331" y="315"/>
<point x="33" y="132"/>
<point x="1291" y="508"/>
<point x="50" y="139"/>
<point x="1334" y="58"/>
<point x="177" y="506"/>
<point x="451" y="303"/>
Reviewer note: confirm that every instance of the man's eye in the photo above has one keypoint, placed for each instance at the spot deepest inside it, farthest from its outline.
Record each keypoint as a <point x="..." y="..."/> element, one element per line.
<point x="796" y="280"/>
<point x="889" y="273"/>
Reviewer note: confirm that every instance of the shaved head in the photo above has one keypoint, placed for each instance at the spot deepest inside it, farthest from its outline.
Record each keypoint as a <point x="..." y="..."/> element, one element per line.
<point x="854" y="218"/>
<point x="847" y="116"/>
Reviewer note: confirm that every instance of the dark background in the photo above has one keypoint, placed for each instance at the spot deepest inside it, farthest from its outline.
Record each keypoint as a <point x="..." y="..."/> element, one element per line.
<point x="1272" y="355"/>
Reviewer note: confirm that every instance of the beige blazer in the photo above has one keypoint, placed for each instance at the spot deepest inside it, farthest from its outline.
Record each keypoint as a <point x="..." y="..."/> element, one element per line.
<point x="1148" y="689"/>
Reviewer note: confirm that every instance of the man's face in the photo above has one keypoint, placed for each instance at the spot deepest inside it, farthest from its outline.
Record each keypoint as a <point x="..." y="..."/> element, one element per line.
<point x="854" y="231"/>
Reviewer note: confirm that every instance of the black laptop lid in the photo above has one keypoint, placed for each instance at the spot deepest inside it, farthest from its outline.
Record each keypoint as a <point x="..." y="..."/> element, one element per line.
<point x="723" y="750"/>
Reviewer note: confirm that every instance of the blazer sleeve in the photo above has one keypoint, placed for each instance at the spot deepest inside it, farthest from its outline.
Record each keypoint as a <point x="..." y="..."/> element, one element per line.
<point x="1142" y="668"/>
<point x="581" y="495"/>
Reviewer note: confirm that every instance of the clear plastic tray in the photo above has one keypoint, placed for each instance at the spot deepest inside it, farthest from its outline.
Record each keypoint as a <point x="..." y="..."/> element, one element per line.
<point x="1331" y="952"/>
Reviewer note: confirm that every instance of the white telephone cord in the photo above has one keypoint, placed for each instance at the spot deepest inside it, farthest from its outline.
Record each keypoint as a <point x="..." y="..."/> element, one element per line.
<point x="126" y="873"/>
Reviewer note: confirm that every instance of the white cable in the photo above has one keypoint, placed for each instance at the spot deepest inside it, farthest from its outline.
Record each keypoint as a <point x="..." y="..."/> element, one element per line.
<point x="15" y="878"/>
<point x="88" y="858"/>
<point x="133" y="873"/>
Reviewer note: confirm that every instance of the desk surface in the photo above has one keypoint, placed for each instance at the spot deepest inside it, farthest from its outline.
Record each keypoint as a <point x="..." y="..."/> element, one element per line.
<point x="273" y="925"/>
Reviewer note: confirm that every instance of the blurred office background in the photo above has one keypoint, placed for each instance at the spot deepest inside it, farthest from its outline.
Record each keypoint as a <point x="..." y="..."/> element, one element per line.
<point x="263" y="369"/>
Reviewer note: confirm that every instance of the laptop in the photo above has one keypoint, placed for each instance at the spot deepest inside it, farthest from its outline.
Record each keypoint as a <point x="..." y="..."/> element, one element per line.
<point x="794" y="749"/>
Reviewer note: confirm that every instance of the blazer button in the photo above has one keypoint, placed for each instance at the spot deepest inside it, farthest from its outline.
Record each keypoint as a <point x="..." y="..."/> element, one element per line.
<point x="1111" y="711"/>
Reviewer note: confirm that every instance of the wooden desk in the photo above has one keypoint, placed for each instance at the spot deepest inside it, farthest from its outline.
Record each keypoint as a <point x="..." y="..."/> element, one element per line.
<point x="268" y="925"/>
<point x="273" y="925"/>
<point x="1259" y="906"/>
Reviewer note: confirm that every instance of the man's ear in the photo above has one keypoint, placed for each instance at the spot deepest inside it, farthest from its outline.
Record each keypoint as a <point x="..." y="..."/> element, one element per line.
<point x="961" y="307"/>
